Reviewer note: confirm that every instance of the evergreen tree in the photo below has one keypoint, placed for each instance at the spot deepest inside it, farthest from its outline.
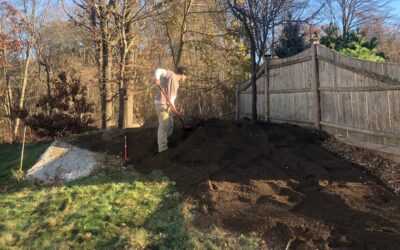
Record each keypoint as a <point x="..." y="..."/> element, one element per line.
<point x="291" y="41"/>
<point x="354" y="45"/>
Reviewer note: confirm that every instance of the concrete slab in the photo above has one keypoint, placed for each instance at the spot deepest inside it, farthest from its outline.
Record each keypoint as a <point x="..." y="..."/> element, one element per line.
<point x="63" y="162"/>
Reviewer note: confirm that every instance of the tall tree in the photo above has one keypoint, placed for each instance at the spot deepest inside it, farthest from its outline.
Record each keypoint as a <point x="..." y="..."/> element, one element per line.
<point x="258" y="20"/>
<point x="175" y="21"/>
<point x="291" y="41"/>
<point x="195" y="34"/>
<point x="29" y="22"/>
<point x="56" y="42"/>
<point x="96" y="16"/>
<point x="390" y="43"/>
<point x="352" y="14"/>
<point x="117" y="24"/>
<point x="130" y="19"/>
<point x="10" y="43"/>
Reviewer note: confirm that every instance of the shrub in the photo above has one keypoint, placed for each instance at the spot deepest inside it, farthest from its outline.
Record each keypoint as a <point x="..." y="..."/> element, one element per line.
<point x="66" y="111"/>
<point x="354" y="44"/>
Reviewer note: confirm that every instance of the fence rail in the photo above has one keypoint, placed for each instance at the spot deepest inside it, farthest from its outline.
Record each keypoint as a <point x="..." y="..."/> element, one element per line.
<point x="323" y="89"/>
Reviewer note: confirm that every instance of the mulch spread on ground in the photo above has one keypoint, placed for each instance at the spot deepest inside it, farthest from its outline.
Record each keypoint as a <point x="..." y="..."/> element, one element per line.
<point x="276" y="181"/>
<point x="388" y="171"/>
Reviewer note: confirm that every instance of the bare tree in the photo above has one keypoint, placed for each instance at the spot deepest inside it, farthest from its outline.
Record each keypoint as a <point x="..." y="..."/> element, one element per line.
<point x="115" y="22"/>
<point x="257" y="20"/>
<point x="9" y="42"/>
<point x="96" y="16"/>
<point x="130" y="18"/>
<point x="351" y="14"/>
<point x="29" y="12"/>
<point x="175" y="22"/>
<point x="32" y="15"/>
<point x="389" y="39"/>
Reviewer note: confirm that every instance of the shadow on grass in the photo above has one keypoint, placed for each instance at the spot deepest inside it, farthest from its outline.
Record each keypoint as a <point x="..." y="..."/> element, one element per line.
<point x="10" y="160"/>
<point x="112" y="209"/>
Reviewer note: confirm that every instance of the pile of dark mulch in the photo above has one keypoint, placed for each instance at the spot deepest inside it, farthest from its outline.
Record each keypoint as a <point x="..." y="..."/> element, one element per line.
<point x="388" y="171"/>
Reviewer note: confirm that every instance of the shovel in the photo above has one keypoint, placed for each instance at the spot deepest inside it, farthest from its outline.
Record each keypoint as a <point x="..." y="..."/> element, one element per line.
<point x="185" y="127"/>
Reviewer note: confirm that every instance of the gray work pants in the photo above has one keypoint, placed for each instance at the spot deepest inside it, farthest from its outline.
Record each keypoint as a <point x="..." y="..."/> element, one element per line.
<point x="165" y="125"/>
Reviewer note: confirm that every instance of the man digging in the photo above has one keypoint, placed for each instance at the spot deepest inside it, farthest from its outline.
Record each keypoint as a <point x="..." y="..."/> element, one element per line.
<point x="167" y="92"/>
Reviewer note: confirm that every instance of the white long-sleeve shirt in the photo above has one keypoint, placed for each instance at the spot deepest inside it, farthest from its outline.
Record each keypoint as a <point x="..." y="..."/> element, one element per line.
<point x="158" y="75"/>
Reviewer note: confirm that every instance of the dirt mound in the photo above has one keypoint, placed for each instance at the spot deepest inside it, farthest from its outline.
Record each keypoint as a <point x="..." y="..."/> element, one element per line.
<point x="274" y="180"/>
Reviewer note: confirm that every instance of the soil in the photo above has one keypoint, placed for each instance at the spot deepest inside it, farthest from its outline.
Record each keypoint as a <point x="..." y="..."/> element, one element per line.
<point x="277" y="181"/>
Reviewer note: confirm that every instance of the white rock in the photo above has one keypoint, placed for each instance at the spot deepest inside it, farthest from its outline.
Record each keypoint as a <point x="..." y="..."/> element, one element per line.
<point x="63" y="162"/>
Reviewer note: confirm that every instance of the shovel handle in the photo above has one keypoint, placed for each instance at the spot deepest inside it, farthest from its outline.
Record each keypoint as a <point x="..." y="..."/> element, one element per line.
<point x="169" y="101"/>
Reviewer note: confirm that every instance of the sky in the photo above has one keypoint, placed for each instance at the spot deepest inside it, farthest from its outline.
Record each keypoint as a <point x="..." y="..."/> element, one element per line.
<point x="396" y="5"/>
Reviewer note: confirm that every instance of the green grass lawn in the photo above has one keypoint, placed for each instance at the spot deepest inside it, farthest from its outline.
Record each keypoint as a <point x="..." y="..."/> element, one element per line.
<point x="112" y="209"/>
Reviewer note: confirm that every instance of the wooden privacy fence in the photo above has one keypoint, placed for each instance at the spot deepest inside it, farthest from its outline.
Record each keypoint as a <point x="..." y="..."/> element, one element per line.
<point x="323" y="89"/>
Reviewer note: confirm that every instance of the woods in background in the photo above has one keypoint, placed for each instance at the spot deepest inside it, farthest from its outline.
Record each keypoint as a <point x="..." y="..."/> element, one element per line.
<point x="113" y="46"/>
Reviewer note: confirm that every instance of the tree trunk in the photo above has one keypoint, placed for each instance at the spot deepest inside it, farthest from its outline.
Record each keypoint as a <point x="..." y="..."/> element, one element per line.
<point x="128" y="122"/>
<point x="106" y="97"/>
<point x="8" y="104"/>
<point x="122" y="89"/>
<point x="128" y="97"/>
<point x="129" y="86"/>
<point x="344" y="20"/>
<point x="124" y="29"/>
<point x="101" y="84"/>
<point x="8" y="96"/>
<point x="23" y="90"/>
<point x="48" y="81"/>
<point x="254" y="86"/>
<point x="106" y="68"/>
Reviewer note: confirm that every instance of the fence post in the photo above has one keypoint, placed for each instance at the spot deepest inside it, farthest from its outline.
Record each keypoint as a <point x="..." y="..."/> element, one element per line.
<point x="267" y="59"/>
<point x="237" y="101"/>
<point x="315" y="84"/>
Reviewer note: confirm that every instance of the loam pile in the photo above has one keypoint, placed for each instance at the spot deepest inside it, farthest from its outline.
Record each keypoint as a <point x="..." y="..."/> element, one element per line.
<point x="272" y="180"/>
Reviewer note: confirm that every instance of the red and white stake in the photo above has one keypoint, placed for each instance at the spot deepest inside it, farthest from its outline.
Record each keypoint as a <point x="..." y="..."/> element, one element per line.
<point x="126" y="158"/>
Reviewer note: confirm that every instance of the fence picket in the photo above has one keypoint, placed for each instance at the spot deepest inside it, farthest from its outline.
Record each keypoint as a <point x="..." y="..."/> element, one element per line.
<point x="337" y="93"/>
